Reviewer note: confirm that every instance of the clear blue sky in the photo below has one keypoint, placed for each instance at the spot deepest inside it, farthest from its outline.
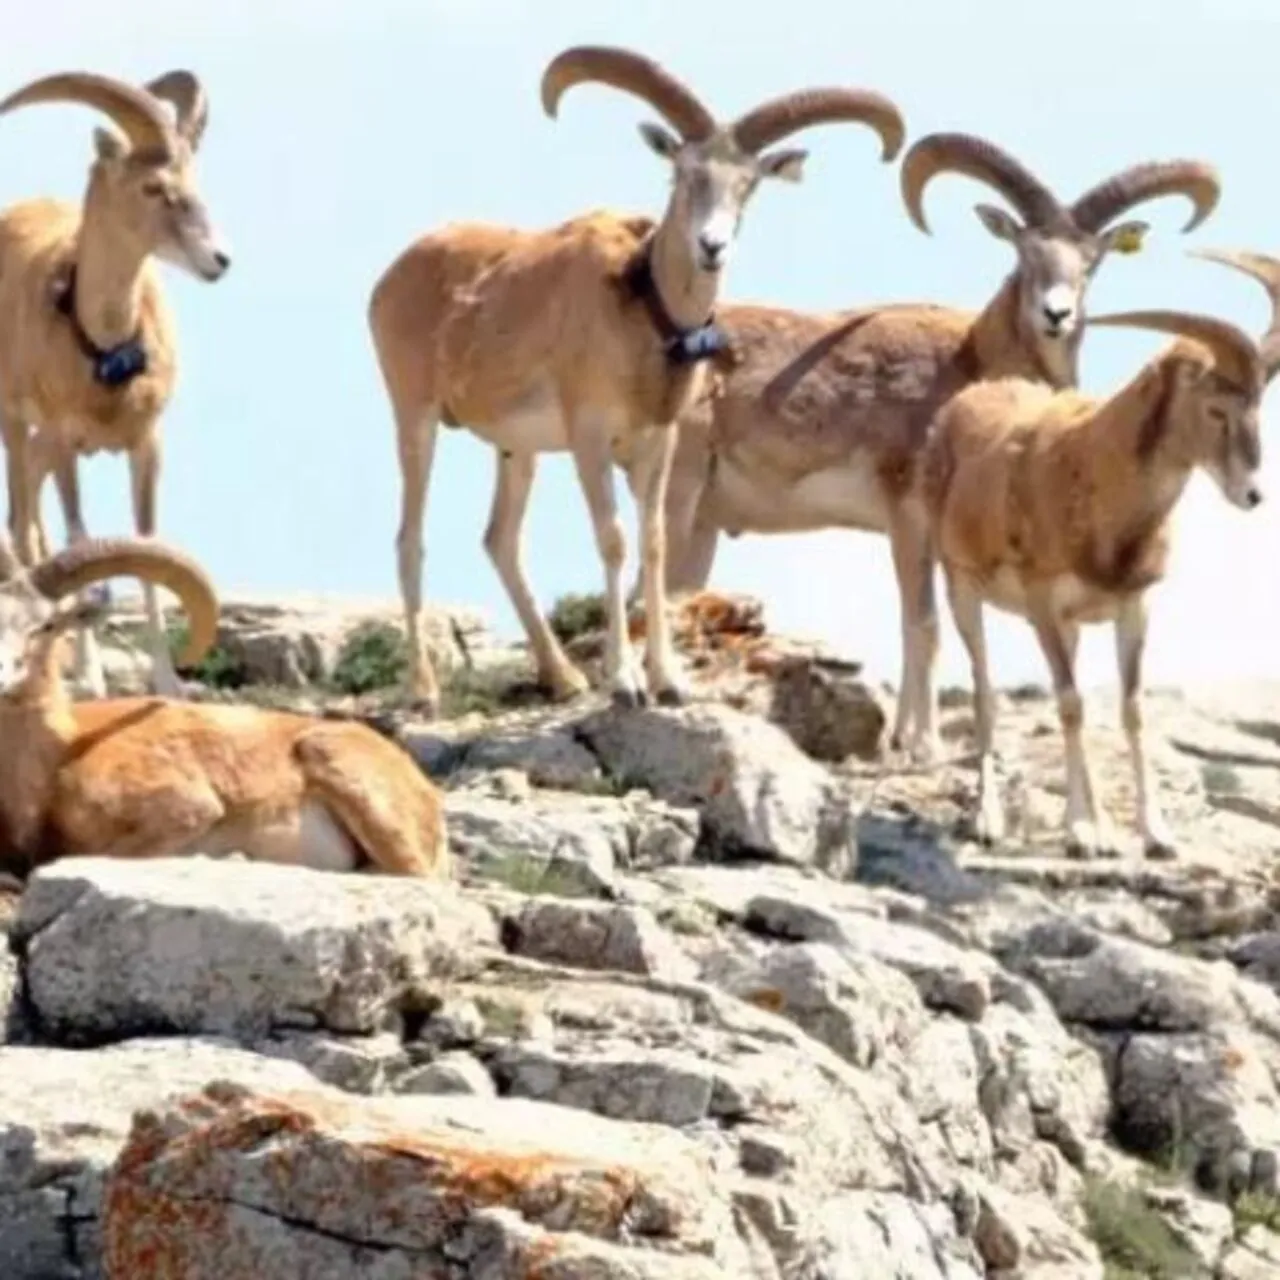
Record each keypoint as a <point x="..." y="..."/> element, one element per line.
<point x="339" y="131"/>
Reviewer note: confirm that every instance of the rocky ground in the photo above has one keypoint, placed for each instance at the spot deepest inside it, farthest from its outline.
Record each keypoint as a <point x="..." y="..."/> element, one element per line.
<point x="719" y="992"/>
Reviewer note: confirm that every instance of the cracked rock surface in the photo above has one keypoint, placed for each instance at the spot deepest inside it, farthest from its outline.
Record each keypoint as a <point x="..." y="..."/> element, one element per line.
<point x="717" y="993"/>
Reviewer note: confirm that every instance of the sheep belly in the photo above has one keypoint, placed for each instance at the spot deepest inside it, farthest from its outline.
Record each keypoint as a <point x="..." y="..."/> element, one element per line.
<point x="312" y="837"/>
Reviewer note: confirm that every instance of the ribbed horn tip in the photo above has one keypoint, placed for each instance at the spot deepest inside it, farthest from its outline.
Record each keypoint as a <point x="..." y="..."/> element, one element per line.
<point x="98" y="559"/>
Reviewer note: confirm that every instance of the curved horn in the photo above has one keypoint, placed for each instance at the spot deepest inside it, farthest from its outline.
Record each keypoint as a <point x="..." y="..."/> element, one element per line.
<point x="632" y="73"/>
<point x="979" y="159"/>
<point x="779" y="117"/>
<point x="1266" y="271"/>
<point x="1194" y="179"/>
<point x="99" y="558"/>
<point x="138" y="114"/>
<point x="184" y="90"/>
<point x="1229" y="344"/>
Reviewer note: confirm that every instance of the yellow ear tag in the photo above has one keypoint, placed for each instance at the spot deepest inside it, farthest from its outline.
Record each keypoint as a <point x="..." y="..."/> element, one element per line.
<point x="1128" y="241"/>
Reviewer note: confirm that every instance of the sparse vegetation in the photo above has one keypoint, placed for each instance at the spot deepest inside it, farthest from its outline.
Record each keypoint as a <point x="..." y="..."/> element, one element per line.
<point x="1256" y="1209"/>
<point x="1135" y="1241"/>
<point x="533" y="876"/>
<point x="1220" y="779"/>
<point x="688" y="918"/>
<point x="373" y="657"/>
<point x="488" y="690"/>
<point x="575" y="615"/>
<point x="218" y="668"/>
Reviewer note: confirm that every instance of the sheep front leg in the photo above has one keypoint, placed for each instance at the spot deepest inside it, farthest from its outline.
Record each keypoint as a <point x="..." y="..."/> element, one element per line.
<point x="648" y="478"/>
<point x="1131" y="639"/>
<point x="18" y="468"/>
<point x="416" y="433"/>
<point x="144" y="476"/>
<point x="966" y="609"/>
<point x="1059" y="639"/>
<point x="592" y="457"/>
<point x="516" y="472"/>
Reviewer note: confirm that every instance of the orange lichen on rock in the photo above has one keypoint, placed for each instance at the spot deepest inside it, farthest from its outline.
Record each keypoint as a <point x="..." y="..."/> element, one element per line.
<point x="250" y="1179"/>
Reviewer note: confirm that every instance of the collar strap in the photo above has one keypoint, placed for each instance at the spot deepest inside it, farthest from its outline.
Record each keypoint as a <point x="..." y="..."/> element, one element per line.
<point x="113" y="367"/>
<point x="681" y="346"/>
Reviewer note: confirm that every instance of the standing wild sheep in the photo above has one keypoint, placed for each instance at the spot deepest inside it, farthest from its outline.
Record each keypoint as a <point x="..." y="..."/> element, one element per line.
<point x="87" y="347"/>
<point x="1056" y="506"/>
<point x="152" y="777"/>
<point x="819" y="424"/>
<point x="590" y="337"/>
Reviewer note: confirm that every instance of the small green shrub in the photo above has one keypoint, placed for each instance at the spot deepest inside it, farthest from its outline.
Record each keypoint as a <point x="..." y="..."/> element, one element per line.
<point x="373" y="656"/>
<point x="1136" y="1243"/>
<point x="488" y="690"/>
<point x="217" y="669"/>
<point x="1256" y="1209"/>
<point x="574" y="615"/>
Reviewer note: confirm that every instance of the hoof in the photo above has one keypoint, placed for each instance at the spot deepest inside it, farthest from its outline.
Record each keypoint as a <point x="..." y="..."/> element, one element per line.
<point x="627" y="699"/>
<point x="672" y="696"/>
<point x="423" y="703"/>
<point x="1160" y="851"/>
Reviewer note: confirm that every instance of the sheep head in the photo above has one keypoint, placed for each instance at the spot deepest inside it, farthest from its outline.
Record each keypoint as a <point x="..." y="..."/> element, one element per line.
<point x="1219" y="377"/>
<point x="718" y="166"/>
<point x="143" y="179"/>
<point x="38" y="605"/>
<point x="1059" y="247"/>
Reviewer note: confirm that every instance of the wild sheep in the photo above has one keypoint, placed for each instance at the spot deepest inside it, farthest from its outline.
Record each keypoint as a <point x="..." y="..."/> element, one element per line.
<point x="1056" y="506"/>
<point x="589" y="336"/>
<point x="87" y="358"/>
<point x="819" y="423"/>
<point x="151" y="777"/>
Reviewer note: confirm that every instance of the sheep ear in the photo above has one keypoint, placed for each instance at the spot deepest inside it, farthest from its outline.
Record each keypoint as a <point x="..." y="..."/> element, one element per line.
<point x="1002" y="225"/>
<point x="659" y="140"/>
<point x="109" y="145"/>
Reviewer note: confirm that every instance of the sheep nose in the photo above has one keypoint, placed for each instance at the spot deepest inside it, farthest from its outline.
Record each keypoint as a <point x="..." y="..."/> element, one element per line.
<point x="1056" y="315"/>
<point x="1253" y="497"/>
<point x="712" y="248"/>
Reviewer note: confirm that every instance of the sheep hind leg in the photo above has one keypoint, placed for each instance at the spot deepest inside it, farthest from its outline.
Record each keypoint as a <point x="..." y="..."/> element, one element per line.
<point x="515" y="475"/>
<point x="144" y="473"/>
<point x="378" y="795"/>
<point x="89" y="677"/>
<point x="915" y="724"/>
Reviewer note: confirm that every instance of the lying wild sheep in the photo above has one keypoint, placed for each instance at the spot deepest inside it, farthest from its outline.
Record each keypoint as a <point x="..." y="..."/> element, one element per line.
<point x="150" y="777"/>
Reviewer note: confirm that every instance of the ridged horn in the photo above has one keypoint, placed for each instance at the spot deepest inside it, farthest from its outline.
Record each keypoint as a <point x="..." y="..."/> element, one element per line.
<point x="780" y="117"/>
<point x="1266" y="271"/>
<point x="632" y="73"/>
<point x="138" y="114"/>
<point x="979" y="159"/>
<point x="190" y="102"/>
<point x="1230" y="345"/>
<point x="1194" y="179"/>
<point x="97" y="559"/>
